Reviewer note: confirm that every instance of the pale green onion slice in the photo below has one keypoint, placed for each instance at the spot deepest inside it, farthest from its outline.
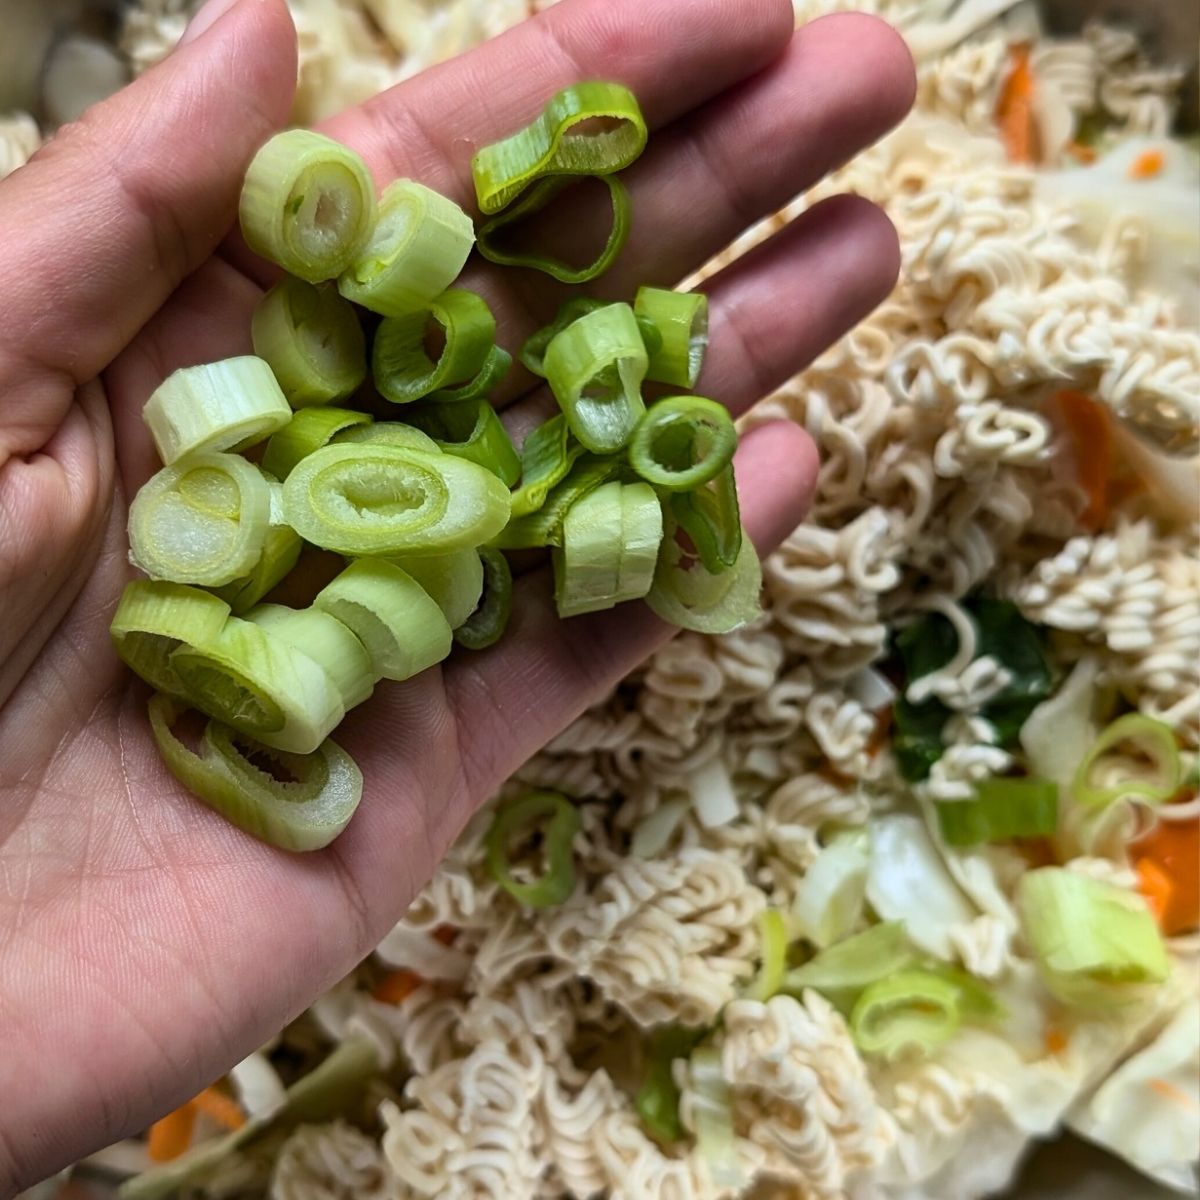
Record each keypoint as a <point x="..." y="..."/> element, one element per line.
<point x="306" y="432"/>
<point x="910" y="1010"/>
<point x="202" y="521"/>
<point x="855" y="963"/>
<point x="487" y="624"/>
<point x="657" y="1099"/>
<point x="545" y="817"/>
<point x="453" y="581"/>
<point x="153" y="619"/>
<point x="546" y="457"/>
<point x="388" y="433"/>
<point x="327" y="642"/>
<point x="280" y="553"/>
<point x="1094" y="943"/>
<point x="533" y="352"/>
<point x="545" y="526"/>
<point x="641" y="540"/>
<point x="712" y="1116"/>
<point x="419" y="246"/>
<point x="711" y="516"/>
<point x="390" y="502"/>
<point x="772" y="926"/>
<point x="1000" y="809"/>
<point x="682" y="443"/>
<point x="303" y="805"/>
<point x="681" y="319"/>
<point x="472" y="431"/>
<point x="831" y="894"/>
<point x="586" y="568"/>
<point x="308" y="205"/>
<point x="590" y="128"/>
<point x="404" y="371"/>
<point x="261" y="686"/>
<point x="1151" y="773"/>
<point x="312" y="340"/>
<point x="398" y="622"/>
<point x="228" y="405"/>
<point x="595" y="368"/>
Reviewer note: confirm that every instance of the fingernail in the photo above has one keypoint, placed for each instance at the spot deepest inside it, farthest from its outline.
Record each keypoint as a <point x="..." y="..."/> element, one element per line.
<point x="206" y="18"/>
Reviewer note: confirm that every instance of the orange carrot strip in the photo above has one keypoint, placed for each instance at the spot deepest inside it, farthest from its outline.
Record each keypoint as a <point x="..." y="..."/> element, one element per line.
<point x="396" y="986"/>
<point x="1173" y="847"/>
<point x="223" y="1109"/>
<point x="446" y="934"/>
<point x="1014" y="110"/>
<point x="1088" y="426"/>
<point x="1168" y="1091"/>
<point x="1055" y="1039"/>
<point x="171" y="1137"/>
<point x="1082" y="153"/>
<point x="1148" y="165"/>
<point x="1156" y="886"/>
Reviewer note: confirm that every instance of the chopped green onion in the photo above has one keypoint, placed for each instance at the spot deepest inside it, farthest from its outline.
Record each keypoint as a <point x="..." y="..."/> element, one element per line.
<point x="554" y="820"/>
<point x="306" y="432"/>
<point x="249" y="679"/>
<point x="388" y="433"/>
<point x="302" y="806"/>
<point x="564" y="140"/>
<point x="400" y="624"/>
<point x="976" y="1001"/>
<point x="533" y="352"/>
<point x="830" y="895"/>
<point x="280" y="553"/>
<point x="855" y="963"/>
<point x="389" y="501"/>
<point x="681" y="320"/>
<point x="228" y="405"/>
<point x="1093" y="942"/>
<point x="491" y="375"/>
<point x="712" y="1116"/>
<point x="453" y="581"/>
<point x="1001" y="809"/>
<point x="486" y="625"/>
<point x="472" y="431"/>
<point x="312" y="340"/>
<point x="544" y="527"/>
<point x="327" y="642"/>
<point x="912" y="1009"/>
<point x="308" y="204"/>
<point x="1154" y="779"/>
<point x="772" y="926"/>
<point x="684" y="442"/>
<point x="418" y="248"/>
<point x="201" y="521"/>
<point x="404" y="372"/>
<point x="546" y="457"/>
<point x="641" y="539"/>
<point x="595" y="368"/>
<point x="493" y="244"/>
<point x="711" y="516"/>
<point x="657" y="1099"/>
<point x="692" y="597"/>
<point x="154" y="619"/>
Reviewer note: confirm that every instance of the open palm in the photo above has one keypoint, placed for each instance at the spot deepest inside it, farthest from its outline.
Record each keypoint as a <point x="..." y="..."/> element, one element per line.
<point x="145" y="945"/>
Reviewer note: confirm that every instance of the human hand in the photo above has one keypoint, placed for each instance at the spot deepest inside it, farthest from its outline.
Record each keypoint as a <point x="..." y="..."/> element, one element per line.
<point x="145" y="944"/>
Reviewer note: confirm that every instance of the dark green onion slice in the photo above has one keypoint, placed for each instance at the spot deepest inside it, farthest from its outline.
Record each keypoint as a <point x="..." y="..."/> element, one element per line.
<point x="487" y="624"/>
<point x="590" y="128"/>
<point x="1000" y="809"/>
<point x="545" y="815"/>
<point x="681" y="321"/>
<point x="683" y="442"/>
<point x="544" y="526"/>
<point x="491" y="375"/>
<point x="306" y="432"/>
<point x="472" y="431"/>
<point x="404" y="371"/>
<point x="711" y="516"/>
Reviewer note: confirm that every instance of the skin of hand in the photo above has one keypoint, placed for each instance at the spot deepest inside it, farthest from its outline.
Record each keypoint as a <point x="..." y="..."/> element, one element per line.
<point x="145" y="945"/>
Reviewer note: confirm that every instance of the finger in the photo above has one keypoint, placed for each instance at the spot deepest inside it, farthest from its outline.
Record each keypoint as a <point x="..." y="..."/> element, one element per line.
<point x="511" y="700"/>
<point x="120" y="207"/>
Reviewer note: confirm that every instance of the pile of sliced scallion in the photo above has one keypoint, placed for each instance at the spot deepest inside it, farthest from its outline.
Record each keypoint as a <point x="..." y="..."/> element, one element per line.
<point x="634" y="500"/>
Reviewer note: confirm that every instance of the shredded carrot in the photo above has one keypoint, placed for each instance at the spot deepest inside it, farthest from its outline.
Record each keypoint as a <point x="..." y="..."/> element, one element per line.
<point x="396" y="986"/>
<point x="1082" y="153"/>
<point x="1168" y="1091"/>
<point x="446" y="934"/>
<point x="1156" y="886"/>
<point x="1089" y="428"/>
<point x="1148" y="165"/>
<point x="1055" y="1039"/>
<point x="1173" y="848"/>
<point x="223" y="1109"/>
<point x="171" y="1137"/>
<point x="1014" y="110"/>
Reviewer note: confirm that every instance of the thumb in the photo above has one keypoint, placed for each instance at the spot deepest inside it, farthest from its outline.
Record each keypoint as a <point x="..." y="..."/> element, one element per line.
<point x="102" y="225"/>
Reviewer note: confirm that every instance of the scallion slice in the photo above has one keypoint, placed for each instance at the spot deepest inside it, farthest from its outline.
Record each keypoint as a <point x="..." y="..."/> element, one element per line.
<point x="544" y="527"/>
<point x="553" y="820"/>
<point x="419" y="246"/>
<point x="533" y="352"/>
<point x="389" y="501"/>
<point x="773" y="930"/>
<point x="280" y="553"/>
<point x="400" y="624"/>
<point x="228" y="405"/>
<point x="494" y="242"/>
<point x="388" y="433"/>
<point x="712" y="1117"/>
<point x="308" y="204"/>
<point x="153" y="619"/>
<point x="302" y="805"/>
<point x="472" y="431"/>
<point x="590" y="128"/>
<point x="261" y="686"/>
<point x="1000" y="809"/>
<point x="546" y="457"/>
<point x="595" y="368"/>
<point x="202" y="521"/>
<point x="657" y="1099"/>
<point x="682" y="443"/>
<point x="711" y="516"/>
<point x="491" y="375"/>
<point x="909" y="1010"/>
<point x="405" y="372"/>
<point x="486" y="625"/>
<point x="1152" y="774"/>
<point x="454" y="581"/>
<point x="853" y="964"/>
<point x="312" y="340"/>
<point x="306" y="432"/>
<point x="681" y="320"/>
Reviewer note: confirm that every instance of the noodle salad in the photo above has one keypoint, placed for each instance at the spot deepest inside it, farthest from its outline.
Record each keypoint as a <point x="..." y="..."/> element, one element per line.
<point x="867" y="897"/>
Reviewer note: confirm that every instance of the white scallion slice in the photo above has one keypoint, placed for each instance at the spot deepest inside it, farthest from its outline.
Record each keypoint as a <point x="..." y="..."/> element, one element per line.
<point x="453" y="581"/>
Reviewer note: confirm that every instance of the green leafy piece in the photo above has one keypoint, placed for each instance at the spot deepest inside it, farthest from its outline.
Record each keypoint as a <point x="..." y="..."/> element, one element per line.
<point x="1001" y="809"/>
